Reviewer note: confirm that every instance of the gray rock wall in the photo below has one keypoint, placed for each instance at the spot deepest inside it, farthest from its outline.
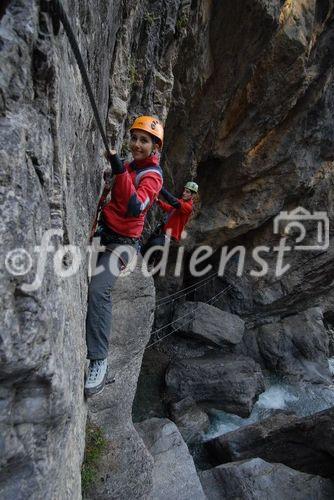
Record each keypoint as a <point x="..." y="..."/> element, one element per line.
<point x="251" y="116"/>
<point x="51" y="171"/>
<point x="252" y="479"/>
<point x="50" y="168"/>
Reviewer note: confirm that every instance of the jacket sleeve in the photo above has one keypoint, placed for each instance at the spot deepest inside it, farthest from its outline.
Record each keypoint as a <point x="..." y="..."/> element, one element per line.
<point x="185" y="207"/>
<point x="172" y="200"/>
<point x="133" y="201"/>
<point x="165" y="206"/>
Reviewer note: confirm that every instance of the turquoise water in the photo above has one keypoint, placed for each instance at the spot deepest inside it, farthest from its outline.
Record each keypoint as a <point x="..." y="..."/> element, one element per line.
<point x="302" y="400"/>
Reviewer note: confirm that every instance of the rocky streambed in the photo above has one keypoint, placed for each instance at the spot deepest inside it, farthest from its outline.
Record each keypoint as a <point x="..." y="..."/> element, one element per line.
<point x="251" y="429"/>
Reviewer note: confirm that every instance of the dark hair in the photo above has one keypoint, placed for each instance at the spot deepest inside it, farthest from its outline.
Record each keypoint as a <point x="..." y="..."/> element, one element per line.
<point x="155" y="139"/>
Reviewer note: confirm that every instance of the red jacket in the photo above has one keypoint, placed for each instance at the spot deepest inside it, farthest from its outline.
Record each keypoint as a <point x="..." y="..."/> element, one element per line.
<point x="178" y="217"/>
<point x="125" y="213"/>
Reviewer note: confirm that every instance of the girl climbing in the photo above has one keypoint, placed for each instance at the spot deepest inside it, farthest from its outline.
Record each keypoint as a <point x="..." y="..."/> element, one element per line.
<point x="179" y="211"/>
<point x="136" y="186"/>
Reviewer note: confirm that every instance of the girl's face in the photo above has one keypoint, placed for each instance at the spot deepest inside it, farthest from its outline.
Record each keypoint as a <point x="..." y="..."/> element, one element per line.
<point x="187" y="194"/>
<point x="141" y="144"/>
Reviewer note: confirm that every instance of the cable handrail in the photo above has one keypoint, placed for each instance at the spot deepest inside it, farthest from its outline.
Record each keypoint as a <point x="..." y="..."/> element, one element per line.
<point x="201" y="283"/>
<point x="183" y="324"/>
<point x="141" y="351"/>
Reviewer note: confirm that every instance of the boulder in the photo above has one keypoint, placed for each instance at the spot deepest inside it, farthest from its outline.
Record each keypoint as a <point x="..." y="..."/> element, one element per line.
<point x="191" y="420"/>
<point x="209" y="324"/>
<point x="174" y="474"/>
<point x="230" y="382"/>
<point x="255" y="478"/>
<point x="303" y="443"/>
<point x="297" y="346"/>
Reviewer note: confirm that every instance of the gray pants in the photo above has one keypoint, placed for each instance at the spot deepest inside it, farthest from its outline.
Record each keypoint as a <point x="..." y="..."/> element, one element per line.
<point x="99" y="312"/>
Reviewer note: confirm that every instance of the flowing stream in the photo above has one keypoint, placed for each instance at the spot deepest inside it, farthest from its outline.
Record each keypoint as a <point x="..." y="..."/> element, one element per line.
<point x="304" y="399"/>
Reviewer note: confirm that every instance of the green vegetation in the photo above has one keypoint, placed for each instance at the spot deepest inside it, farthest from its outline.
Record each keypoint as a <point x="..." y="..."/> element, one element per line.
<point x="182" y="22"/>
<point x="96" y="444"/>
<point x="150" y="18"/>
<point x="133" y="74"/>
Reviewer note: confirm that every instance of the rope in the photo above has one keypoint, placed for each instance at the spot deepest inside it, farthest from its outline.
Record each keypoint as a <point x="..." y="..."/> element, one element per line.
<point x="192" y="288"/>
<point x="205" y="280"/>
<point x="214" y="299"/>
<point x="211" y="301"/>
<point x="57" y="9"/>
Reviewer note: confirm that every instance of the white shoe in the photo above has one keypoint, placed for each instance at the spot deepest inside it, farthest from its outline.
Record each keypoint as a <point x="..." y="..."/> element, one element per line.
<point x="96" y="377"/>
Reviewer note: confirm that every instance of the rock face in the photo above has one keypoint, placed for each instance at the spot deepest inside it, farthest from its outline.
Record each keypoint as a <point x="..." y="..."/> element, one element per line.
<point x="253" y="479"/>
<point x="232" y="383"/>
<point x="174" y="475"/>
<point x="49" y="165"/>
<point x="296" y="346"/>
<point x="146" y="52"/>
<point x="256" y="128"/>
<point x="257" y="116"/>
<point x="208" y="323"/>
<point x="126" y="467"/>
<point x="246" y="88"/>
<point x="305" y="444"/>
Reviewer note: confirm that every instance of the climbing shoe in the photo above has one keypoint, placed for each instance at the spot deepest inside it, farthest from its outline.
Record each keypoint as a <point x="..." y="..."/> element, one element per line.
<point x="96" y="377"/>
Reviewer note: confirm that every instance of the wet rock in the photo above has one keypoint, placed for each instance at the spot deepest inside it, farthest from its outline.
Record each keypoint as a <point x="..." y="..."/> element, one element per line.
<point x="255" y="478"/>
<point x="303" y="443"/>
<point x="191" y="421"/>
<point x="229" y="382"/>
<point x="174" y="475"/>
<point x="209" y="324"/>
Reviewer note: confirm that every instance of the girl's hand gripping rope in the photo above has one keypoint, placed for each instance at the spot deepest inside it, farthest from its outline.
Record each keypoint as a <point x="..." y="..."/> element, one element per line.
<point x="115" y="162"/>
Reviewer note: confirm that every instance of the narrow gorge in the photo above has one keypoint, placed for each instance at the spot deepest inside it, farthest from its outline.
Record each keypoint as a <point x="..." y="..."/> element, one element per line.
<point x="220" y="383"/>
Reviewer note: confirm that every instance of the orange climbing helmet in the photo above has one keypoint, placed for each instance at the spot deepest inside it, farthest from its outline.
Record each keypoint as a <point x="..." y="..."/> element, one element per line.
<point x="151" y="125"/>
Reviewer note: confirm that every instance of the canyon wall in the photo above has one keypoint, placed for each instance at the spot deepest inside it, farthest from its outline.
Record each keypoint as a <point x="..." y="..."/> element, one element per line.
<point x="246" y="91"/>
